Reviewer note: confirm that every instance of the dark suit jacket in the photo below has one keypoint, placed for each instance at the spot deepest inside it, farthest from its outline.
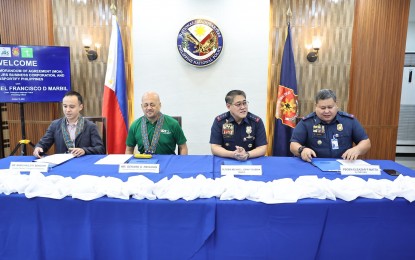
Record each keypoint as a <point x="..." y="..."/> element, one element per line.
<point x="88" y="139"/>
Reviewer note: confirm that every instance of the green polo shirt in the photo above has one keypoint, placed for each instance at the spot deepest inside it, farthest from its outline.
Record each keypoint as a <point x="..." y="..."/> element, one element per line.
<point x="171" y="134"/>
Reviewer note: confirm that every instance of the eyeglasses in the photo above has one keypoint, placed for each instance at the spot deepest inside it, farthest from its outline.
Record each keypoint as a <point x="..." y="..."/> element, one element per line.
<point x="242" y="103"/>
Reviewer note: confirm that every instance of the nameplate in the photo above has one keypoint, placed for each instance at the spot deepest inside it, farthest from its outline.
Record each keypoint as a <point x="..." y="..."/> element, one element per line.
<point x="360" y="170"/>
<point x="241" y="169"/>
<point x="128" y="168"/>
<point x="29" y="166"/>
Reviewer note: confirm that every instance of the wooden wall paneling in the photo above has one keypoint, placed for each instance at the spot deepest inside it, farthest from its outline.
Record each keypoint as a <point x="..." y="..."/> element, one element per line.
<point x="20" y="24"/>
<point x="332" y="21"/>
<point x="379" y="136"/>
<point x="37" y="119"/>
<point x="379" y="39"/>
<point x="73" y="21"/>
<point x="65" y="23"/>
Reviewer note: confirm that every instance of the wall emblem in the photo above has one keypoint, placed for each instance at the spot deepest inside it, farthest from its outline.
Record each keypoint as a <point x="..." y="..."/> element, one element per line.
<point x="200" y="42"/>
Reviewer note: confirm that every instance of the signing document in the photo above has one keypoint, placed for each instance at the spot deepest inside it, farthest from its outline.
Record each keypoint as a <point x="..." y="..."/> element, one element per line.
<point x="114" y="159"/>
<point x="346" y="167"/>
<point x="55" y="159"/>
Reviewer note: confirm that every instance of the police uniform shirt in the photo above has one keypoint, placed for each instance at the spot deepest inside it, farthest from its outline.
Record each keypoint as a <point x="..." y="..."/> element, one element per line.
<point x="249" y="134"/>
<point x="329" y="140"/>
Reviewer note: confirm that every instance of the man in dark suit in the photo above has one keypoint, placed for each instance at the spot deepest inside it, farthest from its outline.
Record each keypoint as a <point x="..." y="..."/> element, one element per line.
<point x="72" y="133"/>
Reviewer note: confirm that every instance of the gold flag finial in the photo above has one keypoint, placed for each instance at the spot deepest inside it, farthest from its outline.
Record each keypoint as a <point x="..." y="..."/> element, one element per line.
<point x="289" y="15"/>
<point x="113" y="9"/>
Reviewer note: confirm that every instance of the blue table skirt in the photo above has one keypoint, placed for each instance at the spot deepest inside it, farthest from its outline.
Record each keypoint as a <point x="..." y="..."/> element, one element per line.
<point x="108" y="228"/>
<point x="311" y="229"/>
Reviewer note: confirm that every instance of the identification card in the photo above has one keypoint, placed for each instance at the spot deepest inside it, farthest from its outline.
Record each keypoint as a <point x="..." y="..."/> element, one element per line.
<point x="334" y="144"/>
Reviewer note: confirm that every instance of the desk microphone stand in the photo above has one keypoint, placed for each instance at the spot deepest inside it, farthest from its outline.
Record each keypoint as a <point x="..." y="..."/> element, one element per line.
<point x="22" y="143"/>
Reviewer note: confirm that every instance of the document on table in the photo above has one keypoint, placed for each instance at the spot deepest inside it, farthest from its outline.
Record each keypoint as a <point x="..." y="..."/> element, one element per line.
<point x="332" y="165"/>
<point x="116" y="159"/>
<point x="326" y="165"/>
<point x="352" y="162"/>
<point x="55" y="159"/>
<point x="142" y="161"/>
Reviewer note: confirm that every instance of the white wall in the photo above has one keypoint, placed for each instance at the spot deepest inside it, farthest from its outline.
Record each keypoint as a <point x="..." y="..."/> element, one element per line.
<point x="410" y="38"/>
<point x="198" y="94"/>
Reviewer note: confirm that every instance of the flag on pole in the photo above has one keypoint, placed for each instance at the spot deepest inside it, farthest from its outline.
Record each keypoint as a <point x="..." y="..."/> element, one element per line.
<point x="286" y="106"/>
<point x="114" y="105"/>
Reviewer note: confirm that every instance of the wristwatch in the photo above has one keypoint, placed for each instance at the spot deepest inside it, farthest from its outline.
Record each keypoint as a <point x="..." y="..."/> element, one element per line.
<point x="300" y="149"/>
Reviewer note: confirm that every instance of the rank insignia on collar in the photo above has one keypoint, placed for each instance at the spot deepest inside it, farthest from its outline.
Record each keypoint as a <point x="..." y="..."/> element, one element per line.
<point x="339" y="127"/>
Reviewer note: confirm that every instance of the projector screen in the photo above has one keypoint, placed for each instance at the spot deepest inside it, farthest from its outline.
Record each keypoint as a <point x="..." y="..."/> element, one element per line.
<point x="34" y="73"/>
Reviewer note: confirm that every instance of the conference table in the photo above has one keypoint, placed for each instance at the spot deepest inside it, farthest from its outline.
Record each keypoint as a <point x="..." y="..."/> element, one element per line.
<point x="204" y="228"/>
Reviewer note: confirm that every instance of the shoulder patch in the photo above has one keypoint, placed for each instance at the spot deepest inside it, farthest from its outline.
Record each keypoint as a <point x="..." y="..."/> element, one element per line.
<point x="253" y="117"/>
<point x="346" y="114"/>
<point x="222" y="116"/>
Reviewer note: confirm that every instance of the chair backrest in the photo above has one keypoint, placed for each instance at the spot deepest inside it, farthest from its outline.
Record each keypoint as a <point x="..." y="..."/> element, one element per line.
<point x="179" y="119"/>
<point x="101" y="123"/>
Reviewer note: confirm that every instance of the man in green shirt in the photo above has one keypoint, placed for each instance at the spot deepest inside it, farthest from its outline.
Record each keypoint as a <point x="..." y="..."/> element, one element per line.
<point x="155" y="133"/>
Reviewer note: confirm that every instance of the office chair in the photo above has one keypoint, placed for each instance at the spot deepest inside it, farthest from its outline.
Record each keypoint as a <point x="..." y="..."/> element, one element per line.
<point x="101" y="122"/>
<point x="179" y="119"/>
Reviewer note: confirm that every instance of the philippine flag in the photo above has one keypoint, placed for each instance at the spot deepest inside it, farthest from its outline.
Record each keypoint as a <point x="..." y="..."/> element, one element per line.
<point x="114" y="105"/>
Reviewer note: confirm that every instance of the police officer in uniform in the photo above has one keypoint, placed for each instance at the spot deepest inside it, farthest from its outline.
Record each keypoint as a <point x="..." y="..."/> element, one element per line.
<point x="237" y="133"/>
<point x="329" y="133"/>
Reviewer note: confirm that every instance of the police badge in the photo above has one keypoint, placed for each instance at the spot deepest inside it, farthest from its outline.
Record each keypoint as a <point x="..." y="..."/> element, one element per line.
<point x="249" y="132"/>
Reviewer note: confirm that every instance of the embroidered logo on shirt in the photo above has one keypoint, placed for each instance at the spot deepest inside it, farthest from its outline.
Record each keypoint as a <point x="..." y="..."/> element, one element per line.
<point x="165" y="131"/>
